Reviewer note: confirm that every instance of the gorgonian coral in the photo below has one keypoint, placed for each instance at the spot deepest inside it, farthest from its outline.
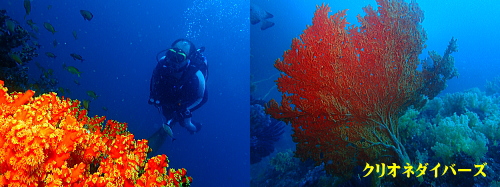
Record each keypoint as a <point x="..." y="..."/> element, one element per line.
<point x="345" y="86"/>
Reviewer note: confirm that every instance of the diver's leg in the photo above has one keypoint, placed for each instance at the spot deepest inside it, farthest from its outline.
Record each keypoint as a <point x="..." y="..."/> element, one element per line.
<point x="186" y="122"/>
<point x="159" y="137"/>
<point x="156" y="141"/>
<point x="191" y="126"/>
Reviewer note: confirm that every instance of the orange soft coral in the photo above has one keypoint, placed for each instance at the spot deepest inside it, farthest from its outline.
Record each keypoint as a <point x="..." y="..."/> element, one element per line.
<point x="50" y="141"/>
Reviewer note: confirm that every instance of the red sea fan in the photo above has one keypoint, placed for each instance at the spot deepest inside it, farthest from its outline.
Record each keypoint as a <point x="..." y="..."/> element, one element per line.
<point x="344" y="87"/>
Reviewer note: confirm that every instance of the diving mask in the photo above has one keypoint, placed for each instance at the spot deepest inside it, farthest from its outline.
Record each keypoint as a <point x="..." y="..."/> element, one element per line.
<point x="176" y="55"/>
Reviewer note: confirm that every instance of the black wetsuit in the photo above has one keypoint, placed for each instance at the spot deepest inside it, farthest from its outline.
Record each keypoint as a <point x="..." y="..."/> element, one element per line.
<point x="175" y="95"/>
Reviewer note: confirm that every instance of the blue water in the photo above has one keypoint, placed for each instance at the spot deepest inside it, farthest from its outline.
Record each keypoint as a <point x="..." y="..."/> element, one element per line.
<point x="474" y="24"/>
<point x="119" y="46"/>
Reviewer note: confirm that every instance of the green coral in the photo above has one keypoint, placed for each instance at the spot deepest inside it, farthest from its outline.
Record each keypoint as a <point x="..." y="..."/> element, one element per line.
<point x="493" y="87"/>
<point x="483" y="111"/>
<point x="495" y="184"/>
<point x="463" y="122"/>
<point x="471" y="100"/>
<point x="284" y="161"/>
<point x="455" y="134"/>
<point x="490" y="124"/>
<point x="434" y="108"/>
<point x="490" y="128"/>
<point x="409" y="124"/>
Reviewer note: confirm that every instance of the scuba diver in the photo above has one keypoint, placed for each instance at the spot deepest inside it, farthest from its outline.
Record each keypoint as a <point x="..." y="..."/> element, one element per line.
<point x="178" y="88"/>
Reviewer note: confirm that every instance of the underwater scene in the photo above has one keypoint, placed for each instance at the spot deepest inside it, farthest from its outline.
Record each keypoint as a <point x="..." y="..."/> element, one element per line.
<point x="79" y="106"/>
<point x="374" y="93"/>
<point x="342" y="93"/>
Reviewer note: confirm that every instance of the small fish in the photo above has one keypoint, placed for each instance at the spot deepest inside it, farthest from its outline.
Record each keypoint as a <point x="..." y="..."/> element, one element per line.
<point x="30" y="22"/>
<point x="105" y="108"/>
<point x="34" y="27"/>
<point x="34" y="86"/>
<point x="49" y="27"/>
<point x="49" y="7"/>
<point x="61" y="90"/>
<point x="87" y="15"/>
<point x="27" y="7"/>
<point x="92" y="94"/>
<point x="50" y="55"/>
<point x="72" y="70"/>
<point x="35" y="43"/>
<point x="53" y="81"/>
<point x="74" y="35"/>
<point x="169" y="130"/>
<point x="33" y="35"/>
<point x="258" y="14"/>
<point x="76" y="82"/>
<point x="10" y="25"/>
<point x="50" y="72"/>
<point x="86" y="104"/>
<point x="16" y="58"/>
<point x="55" y="43"/>
<point x="76" y="57"/>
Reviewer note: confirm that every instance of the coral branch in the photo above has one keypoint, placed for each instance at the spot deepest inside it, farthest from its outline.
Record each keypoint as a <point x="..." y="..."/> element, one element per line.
<point x="50" y="141"/>
<point x="437" y="70"/>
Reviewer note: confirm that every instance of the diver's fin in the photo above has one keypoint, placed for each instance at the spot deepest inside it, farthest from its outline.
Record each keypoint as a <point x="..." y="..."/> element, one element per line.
<point x="197" y="125"/>
<point x="168" y="131"/>
<point x="156" y="141"/>
<point x="266" y="24"/>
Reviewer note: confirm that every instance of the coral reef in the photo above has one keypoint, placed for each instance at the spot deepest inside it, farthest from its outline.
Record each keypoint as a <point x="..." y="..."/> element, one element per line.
<point x="437" y="70"/>
<point x="50" y="141"/>
<point x="264" y="132"/>
<point x="435" y="133"/>
<point x="283" y="161"/>
<point x="345" y="86"/>
<point x="286" y="170"/>
<point x="493" y="87"/>
<point x="16" y="50"/>
<point x="455" y="134"/>
<point x="460" y="128"/>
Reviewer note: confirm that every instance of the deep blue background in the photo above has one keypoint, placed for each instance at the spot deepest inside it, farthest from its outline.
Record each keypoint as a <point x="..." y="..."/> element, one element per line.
<point x="119" y="46"/>
<point x="474" y="23"/>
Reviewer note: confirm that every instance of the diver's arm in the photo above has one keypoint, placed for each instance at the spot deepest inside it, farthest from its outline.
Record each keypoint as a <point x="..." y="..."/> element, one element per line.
<point x="154" y="81"/>
<point x="151" y="83"/>
<point x="200" y="91"/>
